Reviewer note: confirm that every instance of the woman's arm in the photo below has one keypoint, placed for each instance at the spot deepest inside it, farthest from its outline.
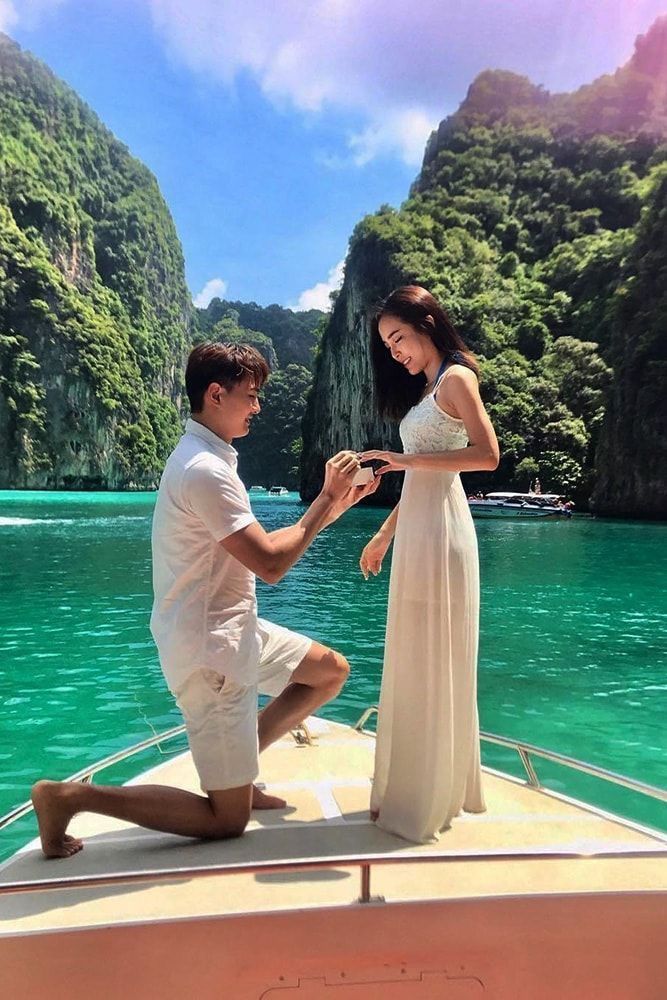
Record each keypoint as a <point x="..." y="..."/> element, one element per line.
<point x="374" y="552"/>
<point x="271" y="554"/>
<point x="388" y="529"/>
<point x="457" y="394"/>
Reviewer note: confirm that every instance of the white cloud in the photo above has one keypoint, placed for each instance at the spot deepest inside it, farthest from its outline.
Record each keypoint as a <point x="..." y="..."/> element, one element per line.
<point x="8" y="15"/>
<point x="324" y="55"/>
<point x="397" y="65"/>
<point x="216" y="287"/>
<point x="317" y="297"/>
<point x="27" y="13"/>
<point x="404" y="132"/>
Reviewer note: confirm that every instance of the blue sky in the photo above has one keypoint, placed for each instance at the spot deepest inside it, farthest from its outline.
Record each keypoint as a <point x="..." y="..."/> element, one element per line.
<point x="274" y="127"/>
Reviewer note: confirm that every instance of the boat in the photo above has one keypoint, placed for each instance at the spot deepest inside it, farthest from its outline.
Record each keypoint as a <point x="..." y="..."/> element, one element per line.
<point x="258" y="489"/>
<point x="278" y="491"/>
<point x="542" y="897"/>
<point x="507" y="504"/>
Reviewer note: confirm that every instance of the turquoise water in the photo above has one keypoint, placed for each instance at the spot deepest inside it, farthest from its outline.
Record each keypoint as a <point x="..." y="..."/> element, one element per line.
<point x="572" y="654"/>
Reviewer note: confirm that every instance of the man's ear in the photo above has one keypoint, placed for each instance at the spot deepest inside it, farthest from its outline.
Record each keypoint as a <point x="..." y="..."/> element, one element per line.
<point x="215" y="393"/>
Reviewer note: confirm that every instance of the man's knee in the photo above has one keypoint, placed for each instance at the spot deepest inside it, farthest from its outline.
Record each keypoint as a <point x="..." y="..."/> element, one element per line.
<point x="339" y="671"/>
<point x="231" y="812"/>
<point x="325" y="669"/>
<point x="228" y="829"/>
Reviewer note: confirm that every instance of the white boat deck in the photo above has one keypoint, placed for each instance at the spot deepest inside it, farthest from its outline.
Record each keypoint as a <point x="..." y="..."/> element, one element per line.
<point x="327" y="786"/>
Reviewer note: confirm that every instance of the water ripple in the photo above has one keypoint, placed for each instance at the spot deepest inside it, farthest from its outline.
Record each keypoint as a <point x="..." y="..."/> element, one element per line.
<point x="571" y="656"/>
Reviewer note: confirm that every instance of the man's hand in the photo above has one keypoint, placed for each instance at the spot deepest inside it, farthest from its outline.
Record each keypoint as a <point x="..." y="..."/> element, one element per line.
<point x="353" y="495"/>
<point x="394" y="461"/>
<point x="338" y="474"/>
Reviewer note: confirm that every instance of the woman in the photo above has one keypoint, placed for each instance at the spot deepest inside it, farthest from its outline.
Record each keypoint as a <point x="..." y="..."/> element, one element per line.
<point x="427" y="764"/>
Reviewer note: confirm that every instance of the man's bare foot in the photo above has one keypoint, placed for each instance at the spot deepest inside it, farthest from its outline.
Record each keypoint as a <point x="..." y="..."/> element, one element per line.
<point x="260" y="800"/>
<point x="54" y="810"/>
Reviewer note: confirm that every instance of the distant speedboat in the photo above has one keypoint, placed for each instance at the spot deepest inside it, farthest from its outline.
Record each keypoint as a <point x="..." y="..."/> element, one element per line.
<point x="278" y="491"/>
<point x="520" y="505"/>
<point x="259" y="489"/>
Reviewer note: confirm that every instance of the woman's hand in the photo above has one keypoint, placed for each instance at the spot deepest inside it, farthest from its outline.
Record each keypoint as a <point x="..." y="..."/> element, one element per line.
<point x="394" y="461"/>
<point x="373" y="554"/>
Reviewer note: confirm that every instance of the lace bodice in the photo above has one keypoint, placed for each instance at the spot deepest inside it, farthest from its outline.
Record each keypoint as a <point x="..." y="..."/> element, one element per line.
<point x="427" y="428"/>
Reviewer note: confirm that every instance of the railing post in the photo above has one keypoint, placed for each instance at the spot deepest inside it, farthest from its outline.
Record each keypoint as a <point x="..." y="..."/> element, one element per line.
<point x="365" y="896"/>
<point x="533" y="780"/>
<point x="365" y="717"/>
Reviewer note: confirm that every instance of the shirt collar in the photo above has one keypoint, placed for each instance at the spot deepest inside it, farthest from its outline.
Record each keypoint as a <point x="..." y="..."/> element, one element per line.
<point x="217" y="445"/>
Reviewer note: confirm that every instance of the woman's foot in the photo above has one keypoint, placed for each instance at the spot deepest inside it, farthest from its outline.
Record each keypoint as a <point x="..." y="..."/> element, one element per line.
<point x="54" y="809"/>
<point x="260" y="800"/>
<point x="374" y="815"/>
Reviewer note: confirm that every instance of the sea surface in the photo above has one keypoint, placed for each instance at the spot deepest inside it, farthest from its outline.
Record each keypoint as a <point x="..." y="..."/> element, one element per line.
<point x="572" y="646"/>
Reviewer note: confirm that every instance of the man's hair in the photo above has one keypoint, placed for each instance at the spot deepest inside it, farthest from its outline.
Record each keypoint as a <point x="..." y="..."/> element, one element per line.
<point x="226" y="364"/>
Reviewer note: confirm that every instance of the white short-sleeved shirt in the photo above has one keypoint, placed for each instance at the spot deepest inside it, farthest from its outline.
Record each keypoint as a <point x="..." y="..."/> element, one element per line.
<point x="204" y="609"/>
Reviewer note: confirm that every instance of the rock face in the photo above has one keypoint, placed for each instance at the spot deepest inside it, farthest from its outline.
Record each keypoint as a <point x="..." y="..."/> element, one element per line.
<point x="529" y="222"/>
<point x="94" y="310"/>
<point x="340" y="412"/>
<point x="632" y="456"/>
<point x="76" y="449"/>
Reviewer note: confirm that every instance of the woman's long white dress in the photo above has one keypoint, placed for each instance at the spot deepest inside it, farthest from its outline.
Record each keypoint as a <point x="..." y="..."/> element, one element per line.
<point x="427" y="763"/>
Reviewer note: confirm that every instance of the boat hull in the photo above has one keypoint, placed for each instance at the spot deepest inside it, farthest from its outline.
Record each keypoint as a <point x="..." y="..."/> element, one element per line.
<point x="554" y="946"/>
<point x="315" y="901"/>
<point x="507" y="510"/>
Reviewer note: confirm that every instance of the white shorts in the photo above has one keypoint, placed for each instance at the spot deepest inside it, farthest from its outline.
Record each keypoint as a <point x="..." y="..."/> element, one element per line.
<point x="221" y="715"/>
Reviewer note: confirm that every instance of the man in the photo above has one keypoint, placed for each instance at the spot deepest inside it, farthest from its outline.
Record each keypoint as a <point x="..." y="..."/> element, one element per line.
<point x="216" y="654"/>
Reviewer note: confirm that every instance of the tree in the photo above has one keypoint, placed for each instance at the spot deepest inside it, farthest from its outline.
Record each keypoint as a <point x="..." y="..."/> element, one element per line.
<point x="228" y="331"/>
<point x="94" y="310"/>
<point x="270" y="453"/>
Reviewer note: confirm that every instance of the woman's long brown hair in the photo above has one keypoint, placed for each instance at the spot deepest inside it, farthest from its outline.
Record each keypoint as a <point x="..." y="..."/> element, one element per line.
<point x="395" y="389"/>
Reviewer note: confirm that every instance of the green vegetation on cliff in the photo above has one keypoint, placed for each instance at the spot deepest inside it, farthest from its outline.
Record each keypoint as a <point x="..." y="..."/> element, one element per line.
<point x="271" y="453"/>
<point x="541" y="234"/>
<point x="94" y="311"/>
<point x="292" y="334"/>
<point x="632" y="459"/>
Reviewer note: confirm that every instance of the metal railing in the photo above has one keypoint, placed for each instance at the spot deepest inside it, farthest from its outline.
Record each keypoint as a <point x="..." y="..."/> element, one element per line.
<point x="300" y="733"/>
<point x="86" y="774"/>
<point x="363" y="862"/>
<point x="524" y="750"/>
<point x="528" y="750"/>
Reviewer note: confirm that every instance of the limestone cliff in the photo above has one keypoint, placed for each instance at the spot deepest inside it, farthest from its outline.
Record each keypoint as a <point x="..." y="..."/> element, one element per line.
<point x="632" y="457"/>
<point x="340" y="412"/>
<point x="525" y="221"/>
<point x="94" y="311"/>
<point x="292" y="334"/>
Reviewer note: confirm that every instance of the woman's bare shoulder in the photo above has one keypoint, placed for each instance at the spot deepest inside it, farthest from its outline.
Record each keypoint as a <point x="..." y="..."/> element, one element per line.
<point x="459" y="378"/>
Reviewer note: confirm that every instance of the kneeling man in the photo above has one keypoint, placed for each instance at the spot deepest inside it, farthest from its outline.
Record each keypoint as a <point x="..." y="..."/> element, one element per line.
<point x="216" y="654"/>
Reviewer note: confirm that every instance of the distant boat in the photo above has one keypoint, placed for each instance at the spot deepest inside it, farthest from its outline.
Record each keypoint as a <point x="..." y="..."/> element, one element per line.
<point x="520" y="505"/>
<point x="278" y="491"/>
<point x="261" y="489"/>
